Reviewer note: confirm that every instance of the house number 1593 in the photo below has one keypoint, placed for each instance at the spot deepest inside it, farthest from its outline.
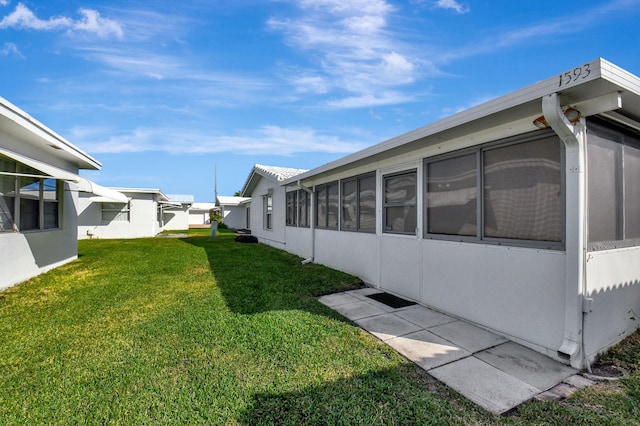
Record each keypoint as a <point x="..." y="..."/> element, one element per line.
<point x="578" y="73"/>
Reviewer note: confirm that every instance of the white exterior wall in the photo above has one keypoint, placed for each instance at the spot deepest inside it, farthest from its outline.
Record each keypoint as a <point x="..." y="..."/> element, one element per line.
<point x="355" y="253"/>
<point x="176" y="218"/>
<point x="235" y="216"/>
<point x="276" y="235"/>
<point x="32" y="253"/>
<point x="299" y="241"/>
<point x="613" y="282"/>
<point x="143" y="219"/>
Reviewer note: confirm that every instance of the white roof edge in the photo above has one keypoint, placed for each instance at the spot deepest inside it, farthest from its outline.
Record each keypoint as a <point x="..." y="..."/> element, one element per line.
<point x="23" y="119"/>
<point x="142" y="191"/>
<point x="598" y="68"/>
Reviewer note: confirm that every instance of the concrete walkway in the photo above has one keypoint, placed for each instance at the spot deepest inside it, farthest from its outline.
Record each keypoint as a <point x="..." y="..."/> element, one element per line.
<point x="488" y="369"/>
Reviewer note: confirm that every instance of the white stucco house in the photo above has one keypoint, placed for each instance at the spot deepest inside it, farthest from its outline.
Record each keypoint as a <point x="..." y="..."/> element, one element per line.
<point x="199" y="214"/>
<point x="234" y="211"/>
<point x="39" y="192"/>
<point x="265" y="212"/>
<point x="175" y="215"/>
<point x="521" y="215"/>
<point x="144" y="214"/>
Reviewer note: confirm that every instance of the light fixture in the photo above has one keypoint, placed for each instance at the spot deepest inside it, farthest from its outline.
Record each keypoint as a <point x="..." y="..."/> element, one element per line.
<point x="570" y="113"/>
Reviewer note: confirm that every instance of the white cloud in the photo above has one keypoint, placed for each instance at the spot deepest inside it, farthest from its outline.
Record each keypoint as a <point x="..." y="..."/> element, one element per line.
<point x="453" y="5"/>
<point x="268" y="139"/>
<point x="23" y="18"/>
<point x="354" y="51"/>
<point x="10" y="49"/>
<point x="4" y="2"/>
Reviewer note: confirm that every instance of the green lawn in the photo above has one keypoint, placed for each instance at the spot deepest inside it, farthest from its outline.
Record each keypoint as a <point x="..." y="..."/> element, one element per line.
<point x="209" y="331"/>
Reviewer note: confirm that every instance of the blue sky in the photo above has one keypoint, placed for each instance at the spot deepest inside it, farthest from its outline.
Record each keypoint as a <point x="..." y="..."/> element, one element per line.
<point x="162" y="91"/>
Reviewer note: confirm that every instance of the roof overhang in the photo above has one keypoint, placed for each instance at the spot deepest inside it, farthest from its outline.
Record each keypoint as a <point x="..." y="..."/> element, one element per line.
<point x="27" y="129"/>
<point x="506" y="116"/>
<point x="82" y="184"/>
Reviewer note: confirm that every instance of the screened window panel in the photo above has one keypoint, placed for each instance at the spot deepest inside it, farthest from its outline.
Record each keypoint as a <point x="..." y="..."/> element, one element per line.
<point x="631" y="192"/>
<point x="29" y="214"/>
<point x="452" y="196"/>
<point x="349" y="205"/>
<point x="333" y="205"/>
<point x="7" y="202"/>
<point x="291" y="208"/>
<point x="303" y="208"/>
<point x="401" y="219"/>
<point x="399" y="203"/>
<point x="321" y="207"/>
<point x="29" y="204"/>
<point x="51" y="205"/>
<point x="522" y="190"/>
<point x="603" y="220"/>
<point x="367" y="203"/>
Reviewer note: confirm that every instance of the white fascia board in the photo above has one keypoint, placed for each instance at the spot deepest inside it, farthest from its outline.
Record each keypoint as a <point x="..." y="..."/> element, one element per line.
<point x="32" y="131"/>
<point x="574" y="85"/>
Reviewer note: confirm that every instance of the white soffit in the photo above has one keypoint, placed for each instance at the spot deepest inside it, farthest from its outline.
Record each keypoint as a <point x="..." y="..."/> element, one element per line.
<point x="83" y="184"/>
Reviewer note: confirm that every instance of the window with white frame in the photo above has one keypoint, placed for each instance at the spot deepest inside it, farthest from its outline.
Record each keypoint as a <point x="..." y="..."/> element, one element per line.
<point x="28" y="200"/>
<point x="267" y="202"/>
<point x="509" y="192"/>
<point x="400" y="203"/>
<point x="116" y="212"/>
<point x="358" y="204"/>
<point x="613" y="166"/>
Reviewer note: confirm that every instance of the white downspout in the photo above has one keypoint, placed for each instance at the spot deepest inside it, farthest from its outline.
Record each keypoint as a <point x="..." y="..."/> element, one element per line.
<point x="311" y="218"/>
<point x="573" y="136"/>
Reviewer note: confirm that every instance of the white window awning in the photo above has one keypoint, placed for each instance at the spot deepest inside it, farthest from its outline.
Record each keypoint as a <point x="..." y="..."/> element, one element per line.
<point x="83" y="184"/>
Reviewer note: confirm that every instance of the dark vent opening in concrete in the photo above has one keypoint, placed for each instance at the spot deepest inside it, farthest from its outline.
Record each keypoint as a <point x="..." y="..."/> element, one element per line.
<point x="390" y="300"/>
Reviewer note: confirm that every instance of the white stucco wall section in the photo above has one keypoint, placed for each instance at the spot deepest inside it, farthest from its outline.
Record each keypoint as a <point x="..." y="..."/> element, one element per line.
<point x="613" y="284"/>
<point x="143" y="220"/>
<point x="32" y="253"/>
<point x="276" y="235"/>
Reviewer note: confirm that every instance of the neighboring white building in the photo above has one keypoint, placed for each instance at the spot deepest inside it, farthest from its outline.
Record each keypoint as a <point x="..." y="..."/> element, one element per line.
<point x="266" y="210"/>
<point x="199" y="214"/>
<point x="143" y="215"/>
<point x="176" y="214"/>
<point x="521" y="215"/>
<point x="39" y="185"/>
<point x="234" y="211"/>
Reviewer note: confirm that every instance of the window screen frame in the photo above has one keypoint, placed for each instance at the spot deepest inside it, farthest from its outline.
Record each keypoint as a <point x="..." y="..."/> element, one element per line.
<point x="358" y="203"/>
<point x="14" y="175"/>
<point x="389" y="205"/>
<point x="326" y="202"/>
<point x="291" y="206"/>
<point x="628" y="139"/>
<point x="480" y="236"/>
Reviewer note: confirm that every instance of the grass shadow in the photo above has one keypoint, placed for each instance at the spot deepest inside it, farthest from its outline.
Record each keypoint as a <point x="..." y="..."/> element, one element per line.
<point x="256" y="278"/>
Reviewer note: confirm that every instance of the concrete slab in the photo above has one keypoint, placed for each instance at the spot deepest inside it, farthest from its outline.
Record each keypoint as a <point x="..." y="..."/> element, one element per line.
<point x="387" y="326"/>
<point x="426" y="349"/>
<point x="337" y="299"/>
<point x="424" y="317"/>
<point x="359" y="309"/>
<point x="526" y="365"/>
<point x="484" y="384"/>
<point x="467" y="336"/>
